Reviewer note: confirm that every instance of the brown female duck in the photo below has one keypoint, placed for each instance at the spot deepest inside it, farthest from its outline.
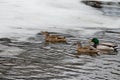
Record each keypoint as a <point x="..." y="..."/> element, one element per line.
<point x="87" y="50"/>
<point x="53" y="38"/>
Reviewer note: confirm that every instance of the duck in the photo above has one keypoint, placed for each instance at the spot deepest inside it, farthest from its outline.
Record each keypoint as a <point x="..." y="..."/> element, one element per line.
<point x="87" y="50"/>
<point x="104" y="47"/>
<point x="53" y="38"/>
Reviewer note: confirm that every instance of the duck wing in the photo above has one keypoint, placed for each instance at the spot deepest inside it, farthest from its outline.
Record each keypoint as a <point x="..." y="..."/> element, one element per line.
<point x="109" y="44"/>
<point x="105" y="48"/>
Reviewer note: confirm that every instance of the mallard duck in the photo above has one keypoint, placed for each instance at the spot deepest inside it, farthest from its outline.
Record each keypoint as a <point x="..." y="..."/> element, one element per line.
<point x="53" y="38"/>
<point x="104" y="47"/>
<point x="88" y="50"/>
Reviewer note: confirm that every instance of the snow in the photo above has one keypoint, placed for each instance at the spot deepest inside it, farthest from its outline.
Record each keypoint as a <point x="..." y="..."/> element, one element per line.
<point x="23" y="18"/>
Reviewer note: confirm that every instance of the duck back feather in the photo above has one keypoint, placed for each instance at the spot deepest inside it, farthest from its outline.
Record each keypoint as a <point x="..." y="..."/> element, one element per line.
<point x="105" y="48"/>
<point x="109" y="44"/>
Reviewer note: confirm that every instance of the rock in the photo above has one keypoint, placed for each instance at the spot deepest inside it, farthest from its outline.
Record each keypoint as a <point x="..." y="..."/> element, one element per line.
<point x="96" y="4"/>
<point x="100" y="4"/>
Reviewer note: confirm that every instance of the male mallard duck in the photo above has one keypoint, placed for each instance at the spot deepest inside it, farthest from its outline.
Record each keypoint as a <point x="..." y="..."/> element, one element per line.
<point x="88" y="50"/>
<point x="53" y="38"/>
<point x="104" y="47"/>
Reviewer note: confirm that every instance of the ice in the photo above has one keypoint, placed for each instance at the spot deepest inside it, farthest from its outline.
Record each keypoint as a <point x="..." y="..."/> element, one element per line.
<point x="23" y="18"/>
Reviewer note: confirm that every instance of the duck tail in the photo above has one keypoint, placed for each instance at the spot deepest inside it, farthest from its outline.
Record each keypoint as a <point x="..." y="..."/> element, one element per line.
<point x="115" y="49"/>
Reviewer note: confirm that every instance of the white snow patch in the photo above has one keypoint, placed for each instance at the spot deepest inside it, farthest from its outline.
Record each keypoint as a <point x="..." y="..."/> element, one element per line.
<point x="23" y="18"/>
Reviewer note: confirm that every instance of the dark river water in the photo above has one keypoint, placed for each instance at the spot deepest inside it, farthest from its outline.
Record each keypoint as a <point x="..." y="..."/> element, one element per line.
<point x="34" y="59"/>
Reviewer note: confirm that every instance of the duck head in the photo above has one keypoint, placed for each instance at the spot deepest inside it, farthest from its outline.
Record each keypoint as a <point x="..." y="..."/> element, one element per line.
<point x="95" y="41"/>
<point x="45" y="33"/>
<point x="79" y="45"/>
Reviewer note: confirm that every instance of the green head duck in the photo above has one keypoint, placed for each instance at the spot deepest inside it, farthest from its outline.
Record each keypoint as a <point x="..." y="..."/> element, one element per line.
<point x="95" y="41"/>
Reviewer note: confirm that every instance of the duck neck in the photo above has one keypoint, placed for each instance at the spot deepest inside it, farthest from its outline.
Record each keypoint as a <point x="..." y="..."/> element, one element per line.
<point x="46" y="35"/>
<point x="79" y="45"/>
<point x="95" y="45"/>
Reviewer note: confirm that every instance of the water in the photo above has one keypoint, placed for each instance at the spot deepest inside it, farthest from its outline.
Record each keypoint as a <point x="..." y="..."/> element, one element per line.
<point x="27" y="57"/>
<point x="39" y="61"/>
<point x="111" y="10"/>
